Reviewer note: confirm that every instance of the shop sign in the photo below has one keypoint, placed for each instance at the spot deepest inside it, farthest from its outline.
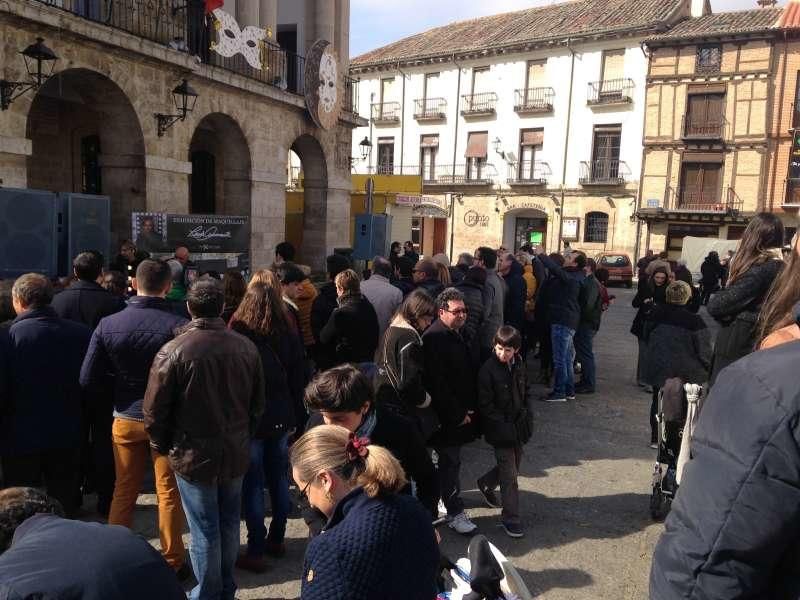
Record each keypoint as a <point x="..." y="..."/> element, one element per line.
<point x="473" y="218"/>
<point x="527" y="204"/>
<point x="160" y="232"/>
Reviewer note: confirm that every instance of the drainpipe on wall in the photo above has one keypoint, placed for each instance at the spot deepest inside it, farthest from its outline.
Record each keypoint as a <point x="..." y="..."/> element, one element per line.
<point x="455" y="147"/>
<point x="371" y="143"/>
<point x="566" y="146"/>
<point x="402" y="116"/>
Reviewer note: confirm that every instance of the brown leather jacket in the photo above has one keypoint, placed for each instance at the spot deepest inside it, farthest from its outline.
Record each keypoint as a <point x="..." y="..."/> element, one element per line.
<point x="204" y="398"/>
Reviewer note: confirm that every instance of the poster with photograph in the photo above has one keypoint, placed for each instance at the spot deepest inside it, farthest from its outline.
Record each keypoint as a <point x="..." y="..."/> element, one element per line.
<point x="149" y="232"/>
<point x="162" y="233"/>
<point x="569" y="229"/>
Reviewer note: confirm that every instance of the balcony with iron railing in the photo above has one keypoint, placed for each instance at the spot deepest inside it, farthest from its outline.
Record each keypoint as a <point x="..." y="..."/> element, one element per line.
<point x="534" y="100"/>
<point x="386" y="113"/>
<point x="529" y="172"/>
<point x="698" y="200"/>
<point x="479" y="105"/>
<point x="458" y="175"/>
<point x="603" y="172"/>
<point x="704" y="129"/>
<point x="610" y="92"/>
<point x="167" y="23"/>
<point x="430" y="109"/>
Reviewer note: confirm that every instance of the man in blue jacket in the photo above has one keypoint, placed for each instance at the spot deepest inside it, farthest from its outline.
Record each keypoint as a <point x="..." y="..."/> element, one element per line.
<point x="117" y="366"/>
<point x="564" y="313"/>
<point x="40" y="436"/>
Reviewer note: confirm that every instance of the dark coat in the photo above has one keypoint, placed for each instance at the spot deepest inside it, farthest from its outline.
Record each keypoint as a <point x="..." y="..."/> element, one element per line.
<point x="400" y="361"/>
<point x="373" y="548"/>
<point x="86" y="302"/>
<point x="352" y="330"/>
<point x="564" y="305"/>
<point x="433" y="287"/>
<point x="405" y="285"/>
<point x="648" y="291"/>
<point x="514" y="310"/>
<point x="400" y="437"/>
<point x="204" y="400"/>
<point x="737" y="308"/>
<point x="711" y="272"/>
<point x="283" y="362"/>
<point x="477" y="312"/>
<point x="678" y="345"/>
<point x="502" y="394"/>
<point x="61" y="559"/>
<point x="321" y="309"/>
<point x="450" y="378"/>
<point x="457" y="273"/>
<point x="43" y="358"/>
<point x="734" y="528"/>
<point x="124" y="346"/>
<point x="591" y="303"/>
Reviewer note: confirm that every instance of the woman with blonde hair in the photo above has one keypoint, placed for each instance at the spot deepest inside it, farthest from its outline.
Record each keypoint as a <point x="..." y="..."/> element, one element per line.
<point x="378" y="543"/>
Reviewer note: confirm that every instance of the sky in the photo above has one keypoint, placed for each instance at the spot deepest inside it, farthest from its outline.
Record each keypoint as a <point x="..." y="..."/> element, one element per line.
<point x="375" y="23"/>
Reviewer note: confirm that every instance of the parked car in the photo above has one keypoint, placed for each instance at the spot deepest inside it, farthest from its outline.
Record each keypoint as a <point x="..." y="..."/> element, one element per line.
<point x="619" y="266"/>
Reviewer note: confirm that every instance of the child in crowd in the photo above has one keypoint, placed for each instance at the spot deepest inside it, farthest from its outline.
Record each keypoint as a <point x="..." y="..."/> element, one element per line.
<point x="507" y="424"/>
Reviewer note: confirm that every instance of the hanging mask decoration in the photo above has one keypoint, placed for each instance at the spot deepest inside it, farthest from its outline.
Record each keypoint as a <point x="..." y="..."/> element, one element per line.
<point x="323" y="89"/>
<point x="232" y="40"/>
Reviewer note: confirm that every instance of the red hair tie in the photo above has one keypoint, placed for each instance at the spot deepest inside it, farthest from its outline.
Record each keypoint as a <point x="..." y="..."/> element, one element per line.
<point x="357" y="448"/>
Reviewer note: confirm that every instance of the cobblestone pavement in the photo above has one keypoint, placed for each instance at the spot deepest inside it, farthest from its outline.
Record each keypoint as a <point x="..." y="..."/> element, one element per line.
<point x="584" y="491"/>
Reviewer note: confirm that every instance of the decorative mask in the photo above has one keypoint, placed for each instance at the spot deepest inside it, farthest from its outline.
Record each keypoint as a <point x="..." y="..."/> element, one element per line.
<point x="233" y="40"/>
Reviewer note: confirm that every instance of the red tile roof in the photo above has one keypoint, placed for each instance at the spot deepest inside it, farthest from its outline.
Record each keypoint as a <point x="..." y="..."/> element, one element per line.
<point x="579" y="18"/>
<point x="722" y="24"/>
<point x="790" y="19"/>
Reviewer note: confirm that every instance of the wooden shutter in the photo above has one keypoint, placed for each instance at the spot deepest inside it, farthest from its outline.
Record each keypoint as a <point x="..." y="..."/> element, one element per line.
<point x="480" y="80"/>
<point x="536" y="74"/>
<point x="613" y="64"/>
<point x="532" y="137"/>
<point x="387" y="90"/>
<point x="711" y="179"/>
<point x="429" y="141"/>
<point x="477" y="143"/>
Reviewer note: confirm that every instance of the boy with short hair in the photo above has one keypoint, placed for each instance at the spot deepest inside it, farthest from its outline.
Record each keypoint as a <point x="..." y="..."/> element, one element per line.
<point x="507" y="424"/>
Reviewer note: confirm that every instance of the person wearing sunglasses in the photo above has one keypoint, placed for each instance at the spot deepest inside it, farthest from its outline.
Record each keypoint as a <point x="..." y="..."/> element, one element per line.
<point x="375" y="537"/>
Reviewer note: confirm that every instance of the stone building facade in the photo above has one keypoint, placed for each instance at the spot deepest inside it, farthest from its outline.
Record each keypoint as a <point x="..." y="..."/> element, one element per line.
<point x="712" y="92"/>
<point x="91" y="126"/>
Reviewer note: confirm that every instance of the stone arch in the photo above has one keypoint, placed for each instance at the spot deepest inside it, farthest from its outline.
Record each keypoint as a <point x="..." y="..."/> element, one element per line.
<point x="313" y="247"/>
<point x="221" y="179"/>
<point x="87" y="138"/>
<point x="520" y="222"/>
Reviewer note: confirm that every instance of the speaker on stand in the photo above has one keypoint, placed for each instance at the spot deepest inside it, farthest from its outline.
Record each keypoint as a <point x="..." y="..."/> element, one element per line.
<point x="86" y="225"/>
<point x="28" y="233"/>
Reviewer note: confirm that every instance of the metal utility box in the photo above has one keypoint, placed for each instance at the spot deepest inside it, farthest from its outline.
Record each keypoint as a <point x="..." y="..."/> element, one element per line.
<point x="372" y="236"/>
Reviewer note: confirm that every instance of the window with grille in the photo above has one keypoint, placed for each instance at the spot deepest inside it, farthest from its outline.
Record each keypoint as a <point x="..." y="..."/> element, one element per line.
<point x="91" y="180"/>
<point x="530" y="144"/>
<point x="596" y="227"/>
<point x="386" y="156"/>
<point x="428" y="148"/>
<point x="709" y="59"/>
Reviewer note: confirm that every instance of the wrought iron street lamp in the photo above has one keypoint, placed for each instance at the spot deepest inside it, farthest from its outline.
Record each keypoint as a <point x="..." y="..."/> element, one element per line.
<point x="366" y="147"/>
<point x="39" y="62"/>
<point x="184" y="98"/>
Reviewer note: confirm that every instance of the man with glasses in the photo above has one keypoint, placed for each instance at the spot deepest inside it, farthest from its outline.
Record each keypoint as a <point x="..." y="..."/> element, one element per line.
<point x="450" y="379"/>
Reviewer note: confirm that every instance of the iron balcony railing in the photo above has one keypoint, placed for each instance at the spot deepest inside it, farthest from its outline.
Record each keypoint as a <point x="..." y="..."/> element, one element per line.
<point x="529" y="172"/>
<point x="697" y="129"/>
<point x="463" y="174"/>
<point x="430" y="109"/>
<point x="386" y="113"/>
<point x="479" y="104"/>
<point x="534" y="100"/>
<point x="173" y="24"/>
<point x="610" y="91"/>
<point x="694" y="199"/>
<point x="294" y="177"/>
<point x="603" y="172"/>
<point x="350" y="104"/>
<point x="392" y="169"/>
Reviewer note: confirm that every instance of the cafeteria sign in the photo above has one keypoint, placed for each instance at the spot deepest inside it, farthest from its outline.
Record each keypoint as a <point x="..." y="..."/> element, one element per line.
<point x="159" y="232"/>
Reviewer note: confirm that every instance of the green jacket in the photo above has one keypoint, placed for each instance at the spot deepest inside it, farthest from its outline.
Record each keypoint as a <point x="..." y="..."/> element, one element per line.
<point x="591" y="303"/>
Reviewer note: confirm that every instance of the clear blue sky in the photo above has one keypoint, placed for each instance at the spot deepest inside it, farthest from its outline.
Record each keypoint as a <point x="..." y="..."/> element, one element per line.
<point x="375" y="23"/>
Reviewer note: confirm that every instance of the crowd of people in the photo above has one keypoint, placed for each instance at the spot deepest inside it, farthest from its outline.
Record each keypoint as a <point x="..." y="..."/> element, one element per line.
<point x="361" y="392"/>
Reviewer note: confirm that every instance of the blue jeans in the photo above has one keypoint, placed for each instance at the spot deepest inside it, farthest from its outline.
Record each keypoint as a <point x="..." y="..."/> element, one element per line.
<point x="212" y="511"/>
<point x="563" y="355"/>
<point x="584" y="338"/>
<point x="269" y="464"/>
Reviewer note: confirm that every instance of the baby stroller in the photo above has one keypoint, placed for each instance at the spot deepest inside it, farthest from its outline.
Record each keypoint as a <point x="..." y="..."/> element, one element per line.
<point x="678" y="410"/>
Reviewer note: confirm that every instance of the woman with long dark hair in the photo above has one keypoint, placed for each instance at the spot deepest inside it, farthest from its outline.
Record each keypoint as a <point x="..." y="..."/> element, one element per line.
<point x="753" y="268"/>
<point x="777" y="322"/>
<point x="652" y="293"/>
<point x="263" y="317"/>
<point x="235" y="287"/>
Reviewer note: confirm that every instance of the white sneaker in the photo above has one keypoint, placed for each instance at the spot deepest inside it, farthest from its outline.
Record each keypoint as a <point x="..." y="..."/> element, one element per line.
<point x="442" y="509"/>
<point x="462" y="524"/>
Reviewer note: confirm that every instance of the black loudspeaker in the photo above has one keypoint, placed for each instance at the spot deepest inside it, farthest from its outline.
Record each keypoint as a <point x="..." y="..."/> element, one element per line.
<point x="86" y="225"/>
<point x="28" y="233"/>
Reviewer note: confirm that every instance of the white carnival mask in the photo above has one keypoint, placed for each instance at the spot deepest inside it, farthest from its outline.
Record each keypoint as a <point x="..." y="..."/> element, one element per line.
<point x="328" y="76"/>
<point x="233" y="40"/>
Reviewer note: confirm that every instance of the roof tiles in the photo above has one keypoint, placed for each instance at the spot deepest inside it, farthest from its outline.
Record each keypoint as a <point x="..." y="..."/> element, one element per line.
<point x="726" y="23"/>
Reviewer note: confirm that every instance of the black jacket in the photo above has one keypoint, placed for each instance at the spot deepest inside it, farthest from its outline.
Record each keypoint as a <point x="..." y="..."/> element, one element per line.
<point x="502" y="394"/>
<point x="648" y="291"/>
<point x="61" y="559"/>
<point x="514" y="310"/>
<point x="86" y="302"/>
<point x="373" y="548"/>
<point x="734" y="528"/>
<point x="352" y="331"/>
<point x="434" y="287"/>
<point x="400" y="362"/>
<point x="405" y="285"/>
<point x="321" y="309"/>
<point x="736" y="308"/>
<point x="711" y="272"/>
<point x="123" y="347"/>
<point x="450" y="378"/>
<point x="563" y="306"/>
<point x="477" y="311"/>
<point x="204" y="400"/>
<point x="43" y="356"/>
